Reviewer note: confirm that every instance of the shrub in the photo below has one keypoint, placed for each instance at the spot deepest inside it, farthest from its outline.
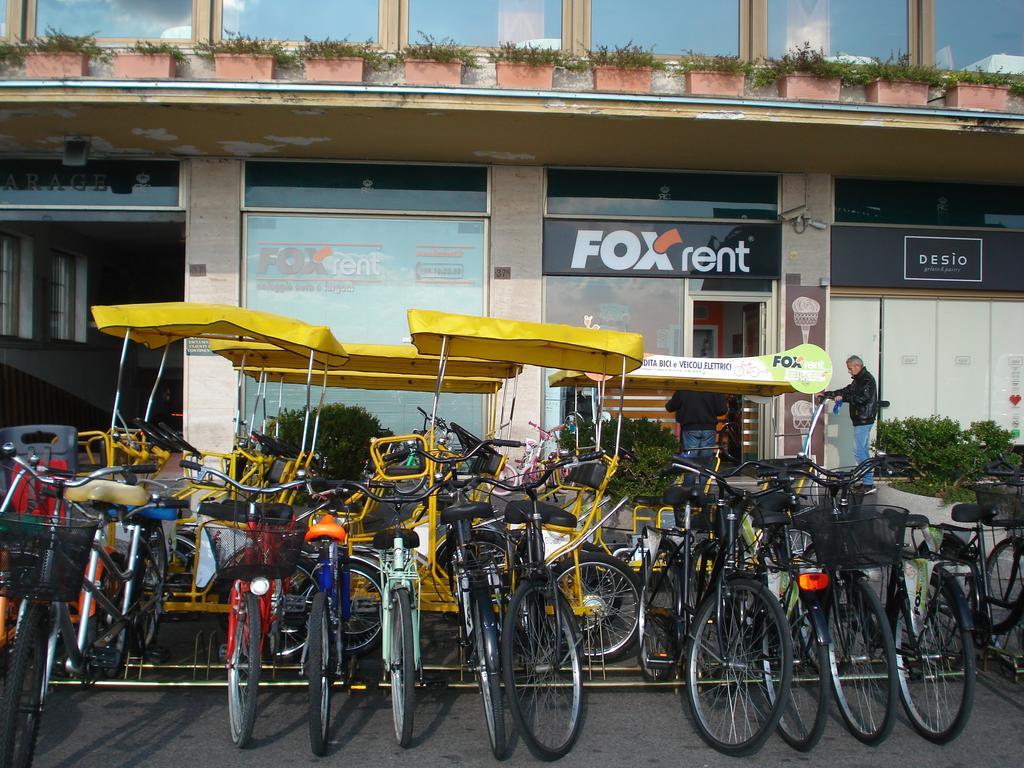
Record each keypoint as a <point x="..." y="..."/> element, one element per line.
<point x="896" y="69"/>
<point x="653" y="448"/>
<point x="947" y="458"/>
<point x="55" y="41"/>
<point x="11" y="54"/>
<point x="248" y="46"/>
<point x="148" y="48"/>
<point x="343" y="49"/>
<point x="807" y="60"/>
<point x="529" y="54"/>
<point x="628" y="56"/>
<point x="343" y="441"/>
<point x="700" y="62"/>
<point x="977" y="77"/>
<point x="443" y="51"/>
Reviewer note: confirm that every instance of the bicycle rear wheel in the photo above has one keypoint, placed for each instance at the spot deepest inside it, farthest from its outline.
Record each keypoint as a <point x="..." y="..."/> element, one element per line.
<point x="318" y="672"/>
<point x="244" y="670"/>
<point x="1005" y="568"/>
<point x="806" y="712"/>
<point x="936" y="663"/>
<point x="862" y="659"/>
<point x="541" y="664"/>
<point x="488" y="670"/>
<point x="739" y="666"/>
<point x="21" y="706"/>
<point x="403" y="666"/>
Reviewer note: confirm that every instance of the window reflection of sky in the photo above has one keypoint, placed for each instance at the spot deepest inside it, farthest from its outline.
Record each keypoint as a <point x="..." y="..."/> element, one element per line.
<point x="488" y="23"/>
<point x="355" y="20"/>
<point x="859" y="28"/>
<point x="968" y="33"/>
<point x="668" y="26"/>
<point x="171" y="19"/>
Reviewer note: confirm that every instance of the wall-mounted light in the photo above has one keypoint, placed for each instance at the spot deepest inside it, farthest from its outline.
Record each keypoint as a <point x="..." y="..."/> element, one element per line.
<point x="76" y="150"/>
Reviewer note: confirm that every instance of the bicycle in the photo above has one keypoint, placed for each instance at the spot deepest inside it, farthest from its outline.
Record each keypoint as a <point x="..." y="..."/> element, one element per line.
<point x="49" y="561"/>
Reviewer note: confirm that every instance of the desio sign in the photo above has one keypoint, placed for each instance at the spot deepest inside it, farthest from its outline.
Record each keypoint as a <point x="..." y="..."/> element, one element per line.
<point x="955" y="259"/>
<point x="660" y="249"/>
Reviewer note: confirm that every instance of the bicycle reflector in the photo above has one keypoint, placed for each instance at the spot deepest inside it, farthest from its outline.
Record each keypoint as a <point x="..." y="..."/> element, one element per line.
<point x="812" y="581"/>
<point x="259" y="586"/>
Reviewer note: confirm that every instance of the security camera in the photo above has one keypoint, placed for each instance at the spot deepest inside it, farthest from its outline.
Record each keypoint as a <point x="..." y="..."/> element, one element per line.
<point x="816" y="224"/>
<point x="793" y="213"/>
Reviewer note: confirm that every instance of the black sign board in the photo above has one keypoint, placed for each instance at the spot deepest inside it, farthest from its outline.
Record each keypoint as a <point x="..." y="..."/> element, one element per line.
<point x="661" y="249"/>
<point x="893" y="257"/>
<point x="109" y="183"/>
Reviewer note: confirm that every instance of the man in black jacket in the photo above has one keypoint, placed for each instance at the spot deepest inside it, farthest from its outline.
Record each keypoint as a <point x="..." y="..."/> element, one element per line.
<point x="697" y="414"/>
<point x="862" y="395"/>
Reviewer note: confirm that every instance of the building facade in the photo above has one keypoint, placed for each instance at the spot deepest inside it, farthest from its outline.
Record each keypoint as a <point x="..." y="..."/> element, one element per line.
<point x="716" y="226"/>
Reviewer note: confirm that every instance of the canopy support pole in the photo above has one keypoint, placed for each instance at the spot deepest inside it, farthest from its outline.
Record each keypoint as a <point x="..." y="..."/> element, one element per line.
<point x="280" y="400"/>
<point x="261" y="393"/>
<point x="437" y="388"/>
<point x="319" y="407"/>
<point x="512" y="406"/>
<point x="238" y="397"/>
<point x="622" y="403"/>
<point x="120" y="376"/>
<point x="159" y="376"/>
<point x="309" y="385"/>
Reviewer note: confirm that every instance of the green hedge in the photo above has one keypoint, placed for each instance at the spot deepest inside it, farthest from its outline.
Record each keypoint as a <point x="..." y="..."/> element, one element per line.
<point x="343" y="441"/>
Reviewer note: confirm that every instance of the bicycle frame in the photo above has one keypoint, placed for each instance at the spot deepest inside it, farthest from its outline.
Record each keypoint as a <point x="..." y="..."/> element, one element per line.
<point x="398" y="570"/>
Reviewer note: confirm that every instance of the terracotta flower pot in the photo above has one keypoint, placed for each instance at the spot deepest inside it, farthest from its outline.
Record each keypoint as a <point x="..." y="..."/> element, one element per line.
<point x="518" y="75"/>
<point x="972" y="96"/>
<point x="423" y="72"/>
<point x="897" y="92"/>
<point x="38" y="64"/>
<point x="799" y="85"/>
<point x="622" y="80"/>
<point x="235" y="66"/>
<point x="715" y="83"/>
<point x="344" y="70"/>
<point x="144" y="65"/>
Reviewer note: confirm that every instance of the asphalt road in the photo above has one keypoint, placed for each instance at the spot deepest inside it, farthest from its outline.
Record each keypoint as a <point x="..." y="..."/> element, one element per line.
<point x="187" y="728"/>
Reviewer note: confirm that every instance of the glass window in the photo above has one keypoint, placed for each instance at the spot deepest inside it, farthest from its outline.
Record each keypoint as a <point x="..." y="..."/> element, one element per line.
<point x="62" y="296"/>
<point x="9" y="262"/>
<point x="3" y="18"/>
<point x="929" y="203"/>
<point x="101" y="183"/>
<point x="359" y="276"/>
<point x="367" y="187"/>
<point x="984" y="34"/>
<point x="848" y="28"/>
<point x="169" y="19"/>
<point x="668" y="26"/>
<point x="662" y="193"/>
<point x="355" y="20"/>
<point x="488" y="24"/>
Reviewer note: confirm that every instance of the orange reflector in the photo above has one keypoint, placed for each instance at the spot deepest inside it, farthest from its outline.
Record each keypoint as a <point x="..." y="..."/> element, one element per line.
<point x="359" y="687"/>
<point x="813" y="581"/>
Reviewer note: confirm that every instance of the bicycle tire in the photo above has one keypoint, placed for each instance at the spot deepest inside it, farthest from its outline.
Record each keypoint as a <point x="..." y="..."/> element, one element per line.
<point x="610" y="607"/>
<point x="488" y="670"/>
<point x="244" y="671"/>
<point x="149" y="581"/>
<point x="750" y="613"/>
<point x="806" y="712"/>
<point x="21" y="706"/>
<point x="937" y="665"/>
<point x="1005" y="572"/>
<point x="318" y="672"/>
<point x="657" y="629"/>
<point x="536" y="641"/>
<point x="362" y="629"/>
<point x="862" y="659"/>
<point x="403" y="666"/>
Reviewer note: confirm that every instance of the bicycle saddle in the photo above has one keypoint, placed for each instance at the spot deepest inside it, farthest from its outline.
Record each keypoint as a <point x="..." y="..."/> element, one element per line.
<point x="972" y="513"/>
<point x="386" y="539"/>
<point x="238" y="511"/>
<point x="517" y="512"/>
<point x="773" y="509"/>
<point x="473" y="510"/>
<point x="678" y="495"/>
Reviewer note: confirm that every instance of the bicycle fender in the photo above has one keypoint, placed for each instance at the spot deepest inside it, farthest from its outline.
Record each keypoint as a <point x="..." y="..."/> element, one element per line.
<point x="818" y="621"/>
<point x="491" y="632"/>
<point x="959" y="600"/>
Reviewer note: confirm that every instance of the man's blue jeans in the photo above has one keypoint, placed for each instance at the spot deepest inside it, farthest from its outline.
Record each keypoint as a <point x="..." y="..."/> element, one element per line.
<point x="861" y="443"/>
<point x="699" y="445"/>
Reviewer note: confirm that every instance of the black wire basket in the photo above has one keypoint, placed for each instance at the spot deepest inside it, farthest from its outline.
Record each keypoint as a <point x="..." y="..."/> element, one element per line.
<point x="1004" y="498"/>
<point x="869" y="536"/>
<point x="40" y="560"/>
<point x="244" y="553"/>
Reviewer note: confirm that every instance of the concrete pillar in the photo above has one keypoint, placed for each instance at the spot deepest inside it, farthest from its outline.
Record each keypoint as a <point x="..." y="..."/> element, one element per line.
<point x="213" y="251"/>
<point x="517" y="203"/>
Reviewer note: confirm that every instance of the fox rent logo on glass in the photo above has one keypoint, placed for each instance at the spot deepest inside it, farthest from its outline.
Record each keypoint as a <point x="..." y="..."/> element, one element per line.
<point x="659" y="249"/>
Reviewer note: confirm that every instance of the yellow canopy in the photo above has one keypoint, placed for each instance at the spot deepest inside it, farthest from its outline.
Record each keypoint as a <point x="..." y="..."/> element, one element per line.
<point x="641" y="384"/>
<point x="546" y="344"/>
<point x="382" y="381"/>
<point x="157" y="325"/>
<point x="400" y="359"/>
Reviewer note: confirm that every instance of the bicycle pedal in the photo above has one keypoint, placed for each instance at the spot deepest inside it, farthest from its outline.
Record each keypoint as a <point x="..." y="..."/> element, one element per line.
<point x="106" y="658"/>
<point x="294" y="604"/>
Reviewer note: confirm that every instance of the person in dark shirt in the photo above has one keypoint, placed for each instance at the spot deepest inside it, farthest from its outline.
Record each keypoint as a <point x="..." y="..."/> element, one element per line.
<point x="862" y="395"/>
<point x="697" y="414"/>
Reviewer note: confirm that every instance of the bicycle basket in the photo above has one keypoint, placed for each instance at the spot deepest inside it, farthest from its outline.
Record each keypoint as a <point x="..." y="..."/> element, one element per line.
<point x="267" y="550"/>
<point x="870" y="536"/>
<point x="41" y="561"/>
<point x="1005" y="499"/>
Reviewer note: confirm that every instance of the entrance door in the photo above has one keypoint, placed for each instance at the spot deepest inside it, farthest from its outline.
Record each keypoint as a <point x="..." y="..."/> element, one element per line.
<point x="854" y="331"/>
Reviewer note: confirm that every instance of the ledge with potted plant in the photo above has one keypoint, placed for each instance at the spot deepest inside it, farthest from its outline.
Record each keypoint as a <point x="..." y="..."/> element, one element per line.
<point x="526" y="66"/>
<point x="11" y="55"/>
<point x="898" y="82"/>
<point x="624" y="69"/>
<point x="60" y="55"/>
<point x="805" y="73"/>
<point x="436" y="62"/>
<point x="974" y="89"/>
<point x="339" y="61"/>
<point x="148" y="60"/>
<point x="246" y="58"/>
<point x="714" y="75"/>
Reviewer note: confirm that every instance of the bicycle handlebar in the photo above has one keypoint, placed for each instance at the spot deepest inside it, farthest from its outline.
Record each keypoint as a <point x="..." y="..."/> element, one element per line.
<point x="204" y="471"/>
<point x="40" y="473"/>
<point x="1001" y="467"/>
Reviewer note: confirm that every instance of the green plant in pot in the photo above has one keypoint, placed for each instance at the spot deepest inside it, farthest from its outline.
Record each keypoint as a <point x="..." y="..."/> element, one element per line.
<point x="625" y="68"/>
<point x="710" y="75"/>
<point x="974" y="89"/>
<point x="57" y="54"/>
<point x="246" y="58"/>
<point x="340" y="60"/>
<point x="896" y="80"/>
<point x="146" y="59"/>
<point x="805" y="72"/>
<point x="436" y="62"/>
<point x="526" y="66"/>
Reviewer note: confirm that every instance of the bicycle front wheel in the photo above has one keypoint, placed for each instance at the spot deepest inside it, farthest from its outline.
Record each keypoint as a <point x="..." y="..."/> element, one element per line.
<point x="21" y="707"/>
<point x="806" y="712"/>
<point x="1005" y="568"/>
<point x="937" y="667"/>
<point x="488" y="670"/>
<point x="739" y="666"/>
<point x="541" y="664"/>
<point x="244" y="670"/>
<point x="403" y="666"/>
<point x="862" y="659"/>
<point x="318" y="652"/>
